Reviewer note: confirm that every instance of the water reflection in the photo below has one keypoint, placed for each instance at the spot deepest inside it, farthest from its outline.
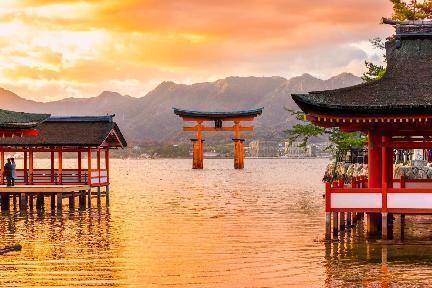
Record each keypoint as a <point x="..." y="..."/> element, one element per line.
<point x="73" y="248"/>
<point x="353" y="260"/>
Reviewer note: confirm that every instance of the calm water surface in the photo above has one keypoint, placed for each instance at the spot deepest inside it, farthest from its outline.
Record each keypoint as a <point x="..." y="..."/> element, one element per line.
<point x="168" y="225"/>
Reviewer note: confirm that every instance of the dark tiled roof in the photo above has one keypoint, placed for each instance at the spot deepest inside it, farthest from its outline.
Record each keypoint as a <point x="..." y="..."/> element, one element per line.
<point x="61" y="131"/>
<point x="213" y="115"/>
<point x="406" y="88"/>
<point x="20" y="120"/>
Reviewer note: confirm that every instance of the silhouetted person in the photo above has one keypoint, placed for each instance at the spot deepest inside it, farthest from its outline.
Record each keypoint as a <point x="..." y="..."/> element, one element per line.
<point x="13" y="171"/>
<point x="8" y="172"/>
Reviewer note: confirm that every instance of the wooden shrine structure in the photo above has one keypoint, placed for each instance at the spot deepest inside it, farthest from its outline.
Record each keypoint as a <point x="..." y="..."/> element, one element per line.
<point x="200" y="117"/>
<point x="82" y="138"/>
<point x="395" y="112"/>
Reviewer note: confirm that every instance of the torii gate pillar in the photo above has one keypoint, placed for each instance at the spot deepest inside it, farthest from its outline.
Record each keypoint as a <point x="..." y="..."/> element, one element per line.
<point x="197" y="153"/>
<point x="238" y="153"/>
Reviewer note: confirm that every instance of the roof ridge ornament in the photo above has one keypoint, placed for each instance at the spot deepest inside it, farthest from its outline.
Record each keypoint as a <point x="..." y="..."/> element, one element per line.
<point x="410" y="29"/>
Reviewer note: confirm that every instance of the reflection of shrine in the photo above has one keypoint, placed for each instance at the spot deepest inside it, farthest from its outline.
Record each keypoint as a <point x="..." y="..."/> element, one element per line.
<point x="354" y="260"/>
<point x="74" y="245"/>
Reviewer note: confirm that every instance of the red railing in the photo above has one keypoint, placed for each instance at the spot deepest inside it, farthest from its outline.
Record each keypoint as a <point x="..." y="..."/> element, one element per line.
<point x="67" y="176"/>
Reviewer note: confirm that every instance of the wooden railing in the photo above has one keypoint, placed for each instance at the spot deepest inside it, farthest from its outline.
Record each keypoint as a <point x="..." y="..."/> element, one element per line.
<point x="67" y="176"/>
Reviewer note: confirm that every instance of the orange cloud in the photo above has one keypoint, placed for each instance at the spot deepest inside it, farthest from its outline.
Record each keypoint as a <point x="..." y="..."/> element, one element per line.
<point x="91" y="43"/>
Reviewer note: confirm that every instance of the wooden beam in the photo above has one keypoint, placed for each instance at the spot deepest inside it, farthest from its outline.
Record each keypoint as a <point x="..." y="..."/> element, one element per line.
<point x="211" y="129"/>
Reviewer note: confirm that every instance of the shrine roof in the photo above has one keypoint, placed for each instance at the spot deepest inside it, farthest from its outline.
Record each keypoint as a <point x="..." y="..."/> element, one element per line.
<point x="20" y="120"/>
<point x="218" y="114"/>
<point x="85" y="131"/>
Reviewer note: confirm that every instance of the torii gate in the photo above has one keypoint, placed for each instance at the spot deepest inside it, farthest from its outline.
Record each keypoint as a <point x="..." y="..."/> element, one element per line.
<point x="218" y="118"/>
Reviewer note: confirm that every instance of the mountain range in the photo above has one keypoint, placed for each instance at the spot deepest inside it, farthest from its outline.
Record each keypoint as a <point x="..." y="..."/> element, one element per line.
<point x="150" y="118"/>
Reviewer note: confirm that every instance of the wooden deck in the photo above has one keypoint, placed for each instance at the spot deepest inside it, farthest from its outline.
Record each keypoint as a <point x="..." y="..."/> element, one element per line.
<point x="43" y="188"/>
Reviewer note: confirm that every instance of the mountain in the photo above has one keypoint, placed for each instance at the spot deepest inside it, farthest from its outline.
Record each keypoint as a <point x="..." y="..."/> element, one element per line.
<point x="150" y="118"/>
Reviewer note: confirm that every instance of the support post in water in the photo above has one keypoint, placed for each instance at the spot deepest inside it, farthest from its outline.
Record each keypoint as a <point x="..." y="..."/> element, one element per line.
<point x="107" y="192"/>
<point x="59" y="201"/>
<point x="335" y="223"/>
<point x="384" y="224"/>
<point x="72" y="201"/>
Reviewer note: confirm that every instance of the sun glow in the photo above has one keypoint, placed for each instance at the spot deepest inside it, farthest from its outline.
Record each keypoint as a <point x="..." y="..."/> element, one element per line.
<point x="49" y="48"/>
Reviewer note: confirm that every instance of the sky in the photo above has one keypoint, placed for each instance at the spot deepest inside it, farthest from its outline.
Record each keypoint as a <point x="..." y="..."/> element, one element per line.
<point x="69" y="48"/>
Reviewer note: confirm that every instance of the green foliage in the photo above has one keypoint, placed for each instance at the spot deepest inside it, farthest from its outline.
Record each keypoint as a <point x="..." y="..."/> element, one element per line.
<point x="411" y="10"/>
<point x="339" y="140"/>
<point x="374" y="71"/>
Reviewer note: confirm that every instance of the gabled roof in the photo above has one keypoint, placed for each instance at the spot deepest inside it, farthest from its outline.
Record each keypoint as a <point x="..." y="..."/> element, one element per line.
<point x="20" y="120"/>
<point x="217" y="114"/>
<point x="406" y="88"/>
<point x="73" y="131"/>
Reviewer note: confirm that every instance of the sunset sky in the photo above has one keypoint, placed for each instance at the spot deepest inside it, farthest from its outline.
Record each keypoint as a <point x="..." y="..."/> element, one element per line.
<point x="69" y="48"/>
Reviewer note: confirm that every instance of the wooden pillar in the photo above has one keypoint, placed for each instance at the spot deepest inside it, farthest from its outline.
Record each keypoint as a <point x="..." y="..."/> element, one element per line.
<point x="373" y="223"/>
<point x="238" y="153"/>
<point x="374" y="176"/>
<point x="107" y="188"/>
<point x="402" y="226"/>
<point x="89" y="164"/>
<point x="4" y="202"/>
<point x="99" y="177"/>
<point x="89" y="197"/>
<point x="2" y="153"/>
<point x="53" y="180"/>
<point x="342" y="221"/>
<point x="107" y="163"/>
<point x="328" y="210"/>
<point x="72" y="201"/>
<point x="31" y="167"/>
<point x="60" y="166"/>
<point x="40" y="201"/>
<point x="26" y="180"/>
<point x="53" y="202"/>
<point x="335" y="223"/>
<point x="79" y="166"/>
<point x="82" y="200"/>
<point x="89" y="177"/>
<point x="386" y="179"/>
<point x="98" y="196"/>
<point x="23" y="202"/>
<point x="59" y="201"/>
<point x="30" y="200"/>
<point x="374" y="159"/>
<point x="197" y="154"/>
<point x="348" y="219"/>
<point x="384" y="224"/>
<point x="107" y="195"/>
<point x="98" y="163"/>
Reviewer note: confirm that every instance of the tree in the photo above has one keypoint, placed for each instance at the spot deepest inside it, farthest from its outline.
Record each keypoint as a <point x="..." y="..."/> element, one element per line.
<point x="341" y="141"/>
<point x="412" y="10"/>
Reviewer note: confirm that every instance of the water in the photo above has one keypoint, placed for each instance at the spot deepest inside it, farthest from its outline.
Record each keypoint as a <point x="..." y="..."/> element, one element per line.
<point x="170" y="226"/>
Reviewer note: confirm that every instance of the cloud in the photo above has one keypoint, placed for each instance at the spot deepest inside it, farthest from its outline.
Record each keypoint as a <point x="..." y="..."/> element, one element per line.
<point x="80" y="46"/>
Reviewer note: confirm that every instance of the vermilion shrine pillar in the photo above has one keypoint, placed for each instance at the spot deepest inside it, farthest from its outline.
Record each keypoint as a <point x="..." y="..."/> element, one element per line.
<point x="374" y="159"/>
<point x="375" y="176"/>
<point x="238" y="153"/>
<point x="197" y="153"/>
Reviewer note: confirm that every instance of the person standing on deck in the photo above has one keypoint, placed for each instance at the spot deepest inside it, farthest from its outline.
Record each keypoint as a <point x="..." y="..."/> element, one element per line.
<point x="8" y="172"/>
<point x="13" y="171"/>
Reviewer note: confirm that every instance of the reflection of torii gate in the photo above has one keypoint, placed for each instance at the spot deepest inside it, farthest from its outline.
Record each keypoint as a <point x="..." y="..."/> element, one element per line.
<point x="218" y="117"/>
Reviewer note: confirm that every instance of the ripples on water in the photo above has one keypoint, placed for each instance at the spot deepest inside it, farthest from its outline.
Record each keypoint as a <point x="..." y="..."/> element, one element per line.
<point x="169" y="225"/>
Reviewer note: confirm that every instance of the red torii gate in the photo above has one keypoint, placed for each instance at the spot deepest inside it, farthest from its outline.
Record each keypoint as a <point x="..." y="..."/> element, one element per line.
<point x="218" y="118"/>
